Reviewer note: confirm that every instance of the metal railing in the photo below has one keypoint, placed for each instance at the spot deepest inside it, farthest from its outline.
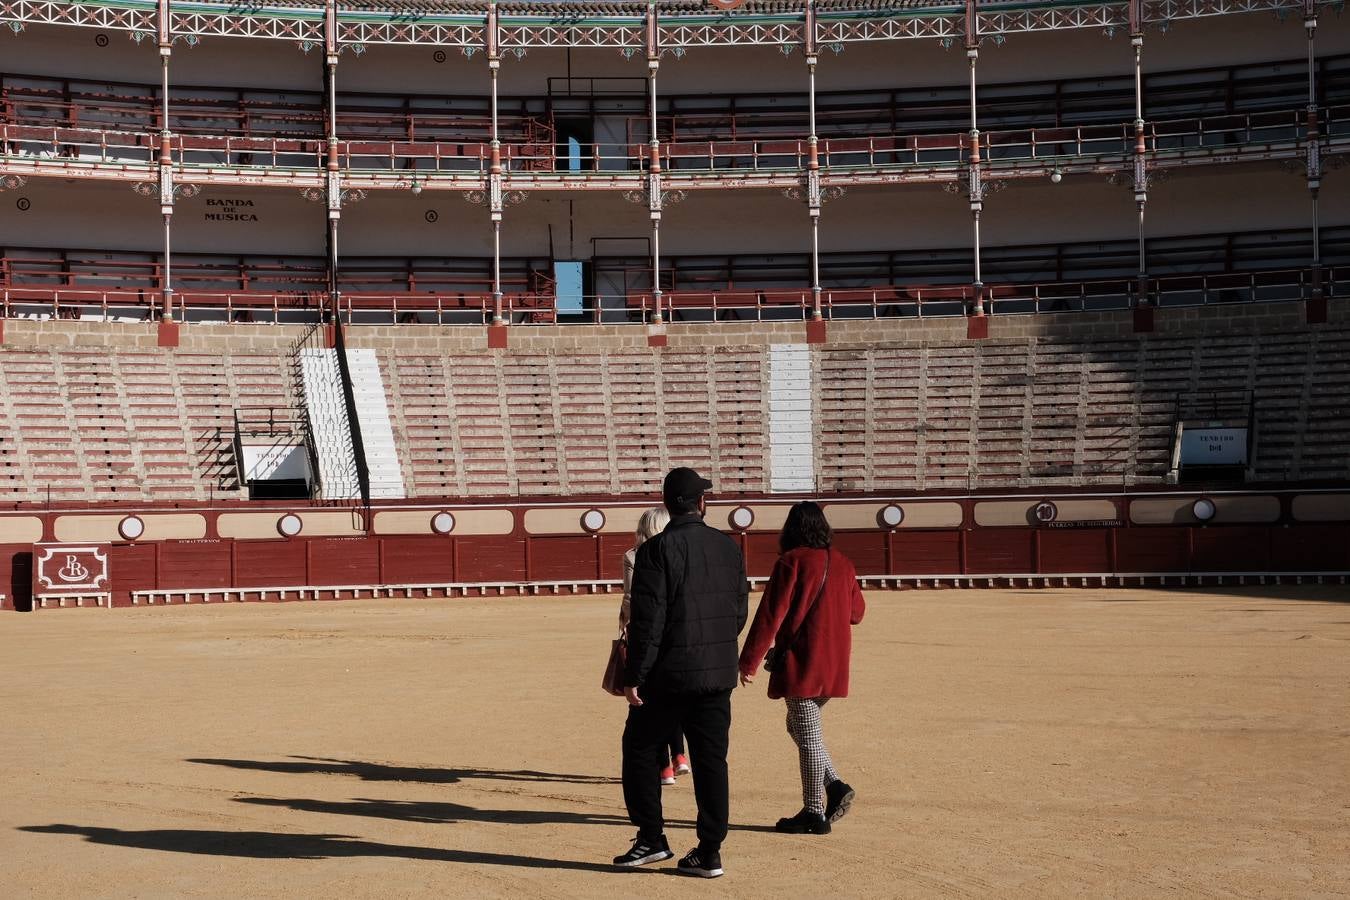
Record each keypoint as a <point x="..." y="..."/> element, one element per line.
<point x="767" y="304"/>
<point x="91" y="144"/>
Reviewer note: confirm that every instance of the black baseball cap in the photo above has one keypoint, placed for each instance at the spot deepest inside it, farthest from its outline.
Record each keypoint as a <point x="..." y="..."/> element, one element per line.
<point x="683" y="485"/>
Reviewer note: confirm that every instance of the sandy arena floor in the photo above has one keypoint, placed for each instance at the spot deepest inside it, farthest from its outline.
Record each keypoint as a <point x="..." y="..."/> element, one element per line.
<point x="1003" y="744"/>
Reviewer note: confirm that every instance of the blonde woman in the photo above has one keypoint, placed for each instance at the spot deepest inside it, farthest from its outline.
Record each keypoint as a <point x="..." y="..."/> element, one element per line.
<point x="652" y="523"/>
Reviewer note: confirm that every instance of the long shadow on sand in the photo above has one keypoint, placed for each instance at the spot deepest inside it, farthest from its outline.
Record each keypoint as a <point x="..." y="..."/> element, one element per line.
<point x="437" y="813"/>
<point x="276" y="845"/>
<point x="367" y="771"/>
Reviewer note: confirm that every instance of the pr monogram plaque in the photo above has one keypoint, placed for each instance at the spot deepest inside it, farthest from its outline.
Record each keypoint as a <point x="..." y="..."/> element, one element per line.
<point x="70" y="569"/>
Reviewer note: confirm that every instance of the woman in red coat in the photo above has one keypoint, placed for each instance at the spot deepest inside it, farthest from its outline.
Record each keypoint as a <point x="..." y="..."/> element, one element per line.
<point x="807" y="613"/>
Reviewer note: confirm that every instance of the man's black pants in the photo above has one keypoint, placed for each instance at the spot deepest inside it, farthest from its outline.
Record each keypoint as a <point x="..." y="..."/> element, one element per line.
<point x="706" y="720"/>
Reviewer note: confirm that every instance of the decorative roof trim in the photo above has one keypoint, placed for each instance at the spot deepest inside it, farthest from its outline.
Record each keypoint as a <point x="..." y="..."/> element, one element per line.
<point x="681" y="24"/>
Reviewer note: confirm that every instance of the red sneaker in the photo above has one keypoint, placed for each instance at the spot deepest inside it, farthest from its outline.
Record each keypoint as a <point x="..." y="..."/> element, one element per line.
<point x="668" y="775"/>
<point x="681" y="764"/>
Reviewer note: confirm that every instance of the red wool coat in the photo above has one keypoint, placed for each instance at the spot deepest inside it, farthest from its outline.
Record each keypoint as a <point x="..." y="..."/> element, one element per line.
<point x="817" y="663"/>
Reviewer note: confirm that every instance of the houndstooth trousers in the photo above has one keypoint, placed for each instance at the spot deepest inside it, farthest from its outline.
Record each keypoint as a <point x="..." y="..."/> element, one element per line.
<point x="803" y="724"/>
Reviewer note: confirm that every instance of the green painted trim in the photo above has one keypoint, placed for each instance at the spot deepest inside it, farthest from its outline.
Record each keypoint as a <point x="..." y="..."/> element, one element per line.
<point x="1033" y="5"/>
<point x="263" y="12"/>
<point x="570" y="22"/>
<point x="730" y="20"/>
<point x="936" y="12"/>
<point x="386" y="19"/>
<point x="148" y="5"/>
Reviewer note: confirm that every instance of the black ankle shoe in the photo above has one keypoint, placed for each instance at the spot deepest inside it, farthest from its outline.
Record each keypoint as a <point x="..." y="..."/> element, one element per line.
<point x="702" y="863"/>
<point x="804" y="822"/>
<point x="644" y="851"/>
<point x="838" y="798"/>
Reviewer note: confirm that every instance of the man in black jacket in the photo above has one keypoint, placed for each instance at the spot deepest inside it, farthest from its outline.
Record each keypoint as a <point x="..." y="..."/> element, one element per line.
<point x="689" y="602"/>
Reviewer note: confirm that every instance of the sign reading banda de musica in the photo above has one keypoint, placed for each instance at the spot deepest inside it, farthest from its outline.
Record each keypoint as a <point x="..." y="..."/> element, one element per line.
<point x="70" y="569"/>
<point x="230" y="209"/>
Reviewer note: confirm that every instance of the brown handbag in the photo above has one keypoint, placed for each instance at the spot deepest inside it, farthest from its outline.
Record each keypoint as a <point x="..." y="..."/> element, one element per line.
<point x="618" y="659"/>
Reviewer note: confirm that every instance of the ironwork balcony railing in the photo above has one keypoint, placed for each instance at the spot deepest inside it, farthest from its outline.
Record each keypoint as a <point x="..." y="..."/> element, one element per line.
<point x="839" y="155"/>
<point x="768" y="304"/>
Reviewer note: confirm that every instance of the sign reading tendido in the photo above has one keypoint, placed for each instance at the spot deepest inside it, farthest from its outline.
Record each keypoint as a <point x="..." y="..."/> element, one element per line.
<point x="1214" y="447"/>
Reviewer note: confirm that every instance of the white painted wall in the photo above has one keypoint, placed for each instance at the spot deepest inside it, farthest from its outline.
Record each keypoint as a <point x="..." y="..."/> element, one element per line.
<point x="414" y="70"/>
<point x="394" y="223"/>
<point x="72" y="53"/>
<point x="287" y="223"/>
<point x="109" y="215"/>
<point x="86" y="214"/>
<point x="246" y="63"/>
<point x="1082" y="208"/>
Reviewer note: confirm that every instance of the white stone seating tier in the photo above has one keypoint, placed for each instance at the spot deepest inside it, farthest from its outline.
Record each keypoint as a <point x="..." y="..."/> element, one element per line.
<point x="326" y="408"/>
<point x="377" y="434"/>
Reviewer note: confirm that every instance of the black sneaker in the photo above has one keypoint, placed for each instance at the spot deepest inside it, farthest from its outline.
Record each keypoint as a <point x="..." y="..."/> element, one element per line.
<point x="838" y="798"/>
<point x="644" y="851"/>
<point x="804" y="822"/>
<point x="703" y="863"/>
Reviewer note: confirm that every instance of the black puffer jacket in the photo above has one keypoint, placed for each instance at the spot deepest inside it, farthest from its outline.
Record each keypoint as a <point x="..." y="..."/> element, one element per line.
<point x="689" y="604"/>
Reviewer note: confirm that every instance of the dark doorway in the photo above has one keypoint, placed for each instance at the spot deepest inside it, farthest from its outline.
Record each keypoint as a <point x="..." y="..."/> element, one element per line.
<point x="21" y="581"/>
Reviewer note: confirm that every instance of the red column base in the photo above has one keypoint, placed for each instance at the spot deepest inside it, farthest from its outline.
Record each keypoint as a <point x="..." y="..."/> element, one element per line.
<point x="815" y="331"/>
<point x="655" y="339"/>
<point x="1143" y="319"/>
<point x="1315" y="310"/>
<point x="330" y="336"/>
<point x="496" y="337"/>
<point x="168" y="333"/>
<point x="977" y="327"/>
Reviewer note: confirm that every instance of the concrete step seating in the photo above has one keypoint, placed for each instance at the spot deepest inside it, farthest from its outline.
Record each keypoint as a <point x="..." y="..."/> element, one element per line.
<point x="535" y="432"/>
<point x="1071" y="412"/>
<point x="478" y="393"/>
<point x="741" y="418"/>
<point x="127" y="425"/>
<point x="429" y="446"/>
<point x="377" y="434"/>
<point x="94" y="425"/>
<point x="641" y="458"/>
<point x="583" y="416"/>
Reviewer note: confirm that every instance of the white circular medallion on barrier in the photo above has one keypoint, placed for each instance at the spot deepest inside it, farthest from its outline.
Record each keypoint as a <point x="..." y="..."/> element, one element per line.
<point x="131" y="527"/>
<point x="892" y="515"/>
<point x="1203" y="509"/>
<point x="1045" y="512"/>
<point x="290" y="525"/>
<point x="592" y="520"/>
<point x="741" y="518"/>
<point x="443" y="523"/>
